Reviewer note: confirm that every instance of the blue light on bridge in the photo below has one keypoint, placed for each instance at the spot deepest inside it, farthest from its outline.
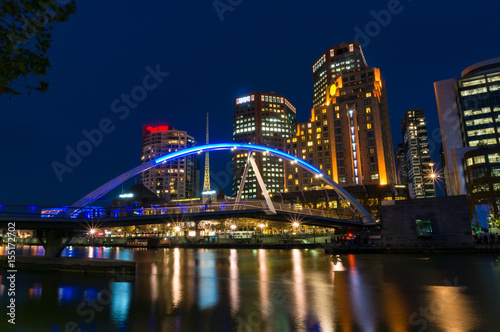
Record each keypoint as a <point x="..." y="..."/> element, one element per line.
<point x="236" y="146"/>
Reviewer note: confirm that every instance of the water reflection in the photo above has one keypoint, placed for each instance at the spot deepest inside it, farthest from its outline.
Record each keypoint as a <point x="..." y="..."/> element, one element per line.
<point x="299" y="290"/>
<point x="122" y="296"/>
<point x="263" y="290"/>
<point x="263" y="283"/>
<point x="207" y="279"/>
<point x="233" y="281"/>
<point x="176" y="279"/>
<point x="451" y="309"/>
<point x="361" y="299"/>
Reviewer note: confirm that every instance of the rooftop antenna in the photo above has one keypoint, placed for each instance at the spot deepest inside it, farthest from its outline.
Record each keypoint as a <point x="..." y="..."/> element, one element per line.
<point x="206" y="180"/>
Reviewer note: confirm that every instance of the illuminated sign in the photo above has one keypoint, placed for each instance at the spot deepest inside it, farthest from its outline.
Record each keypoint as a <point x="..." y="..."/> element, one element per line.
<point x="126" y="195"/>
<point x="49" y="213"/>
<point x="159" y="128"/>
<point x="243" y="100"/>
<point x="210" y="192"/>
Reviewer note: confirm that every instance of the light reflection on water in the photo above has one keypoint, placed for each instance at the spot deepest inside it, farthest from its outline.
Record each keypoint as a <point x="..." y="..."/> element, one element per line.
<point x="268" y="290"/>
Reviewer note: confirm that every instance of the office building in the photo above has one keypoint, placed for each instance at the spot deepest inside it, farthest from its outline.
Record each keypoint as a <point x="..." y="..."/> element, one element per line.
<point x="401" y="165"/>
<point x="417" y="154"/>
<point x="266" y="119"/>
<point x="348" y="136"/>
<point x="335" y="61"/>
<point x="469" y="115"/>
<point x="172" y="180"/>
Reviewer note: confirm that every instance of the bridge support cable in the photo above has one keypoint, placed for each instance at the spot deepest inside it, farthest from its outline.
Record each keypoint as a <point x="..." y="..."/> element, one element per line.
<point x="262" y="185"/>
<point x="244" y="177"/>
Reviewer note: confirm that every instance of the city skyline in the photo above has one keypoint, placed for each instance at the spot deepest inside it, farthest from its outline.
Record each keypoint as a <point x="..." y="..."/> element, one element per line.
<point x="58" y="117"/>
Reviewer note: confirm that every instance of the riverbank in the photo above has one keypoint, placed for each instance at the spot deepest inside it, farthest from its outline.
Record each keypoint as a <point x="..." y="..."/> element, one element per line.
<point x="340" y="250"/>
<point x="80" y="265"/>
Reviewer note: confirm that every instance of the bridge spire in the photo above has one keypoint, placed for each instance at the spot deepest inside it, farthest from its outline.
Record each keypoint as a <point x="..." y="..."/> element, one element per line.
<point x="206" y="180"/>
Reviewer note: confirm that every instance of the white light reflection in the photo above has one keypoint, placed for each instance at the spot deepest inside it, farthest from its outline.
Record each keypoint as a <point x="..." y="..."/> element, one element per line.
<point x="208" y="294"/>
<point x="299" y="289"/>
<point x="154" y="282"/>
<point x="176" y="280"/>
<point x="360" y="299"/>
<point x="263" y="283"/>
<point x="233" y="281"/>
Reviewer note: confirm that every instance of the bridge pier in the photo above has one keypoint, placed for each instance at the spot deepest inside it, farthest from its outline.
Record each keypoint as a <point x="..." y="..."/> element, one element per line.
<point x="54" y="243"/>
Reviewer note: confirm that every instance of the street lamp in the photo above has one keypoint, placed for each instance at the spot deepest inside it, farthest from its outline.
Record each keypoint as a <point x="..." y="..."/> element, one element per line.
<point x="262" y="229"/>
<point x="233" y="227"/>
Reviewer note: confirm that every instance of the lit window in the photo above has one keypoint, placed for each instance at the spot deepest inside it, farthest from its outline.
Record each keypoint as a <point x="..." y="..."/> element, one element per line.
<point x="368" y="126"/>
<point x="479" y="160"/>
<point x="368" y="94"/>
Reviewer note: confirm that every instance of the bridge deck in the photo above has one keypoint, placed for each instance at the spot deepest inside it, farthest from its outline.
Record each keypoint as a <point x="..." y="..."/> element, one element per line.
<point x="102" y="218"/>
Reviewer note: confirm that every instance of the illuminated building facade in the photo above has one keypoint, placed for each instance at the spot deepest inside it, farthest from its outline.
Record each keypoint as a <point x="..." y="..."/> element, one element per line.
<point x="469" y="114"/>
<point x="416" y="151"/>
<point x="266" y="119"/>
<point x="335" y="61"/>
<point x="348" y="136"/>
<point x="177" y="179"/>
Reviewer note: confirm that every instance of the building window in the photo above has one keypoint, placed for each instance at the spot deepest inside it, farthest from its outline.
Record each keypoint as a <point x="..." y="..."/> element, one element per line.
<point x="479" y="160"/>
<point x="368" y="126"/>
<point x="342" y="179"/>
<point x="374" y="176"/>
<point x="423" y="227"/>
<point x="494" y="158"/>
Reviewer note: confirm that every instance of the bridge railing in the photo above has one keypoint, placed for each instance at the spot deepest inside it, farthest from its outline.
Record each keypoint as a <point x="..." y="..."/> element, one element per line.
<point x="100" y="212"/>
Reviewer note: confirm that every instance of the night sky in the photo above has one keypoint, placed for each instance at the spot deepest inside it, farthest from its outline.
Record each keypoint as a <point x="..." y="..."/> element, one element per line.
<point x="103" y="50"/>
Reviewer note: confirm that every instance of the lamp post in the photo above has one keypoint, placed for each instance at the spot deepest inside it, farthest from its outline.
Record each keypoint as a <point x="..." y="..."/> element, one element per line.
<point x="262" y="229"/>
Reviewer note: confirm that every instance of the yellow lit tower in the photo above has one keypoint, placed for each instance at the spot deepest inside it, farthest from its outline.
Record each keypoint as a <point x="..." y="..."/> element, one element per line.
<point x="348" y="136"/>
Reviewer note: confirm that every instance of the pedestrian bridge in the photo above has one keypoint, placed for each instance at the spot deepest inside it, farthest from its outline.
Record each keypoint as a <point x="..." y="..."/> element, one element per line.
<point x="45" y="218"/>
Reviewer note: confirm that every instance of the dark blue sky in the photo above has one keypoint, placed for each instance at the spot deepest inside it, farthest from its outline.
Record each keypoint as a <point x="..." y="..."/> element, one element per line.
<point x="103" y="50"/>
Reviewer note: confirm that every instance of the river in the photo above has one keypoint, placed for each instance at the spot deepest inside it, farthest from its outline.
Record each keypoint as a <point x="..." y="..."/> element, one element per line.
<point x="261" y="290"/>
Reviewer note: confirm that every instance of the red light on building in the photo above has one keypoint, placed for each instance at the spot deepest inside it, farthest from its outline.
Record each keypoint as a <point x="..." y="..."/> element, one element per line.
<point x="159" y="128"/>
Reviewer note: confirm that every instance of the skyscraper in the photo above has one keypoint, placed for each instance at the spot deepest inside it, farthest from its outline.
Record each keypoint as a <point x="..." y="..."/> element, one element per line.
<point x="469" y="114"/>
<point x="416" y="151"/>
<point x="335" y="61"/>
<point x="265" y="119"/>
<point x="176" y="179"/>
<point x="401" y="164"/>
<point x="348" y="136"/>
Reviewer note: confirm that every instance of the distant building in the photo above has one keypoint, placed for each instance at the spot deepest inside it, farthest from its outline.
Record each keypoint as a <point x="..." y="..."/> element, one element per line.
<point x="401" y="165"/>
<point x="266" y="119"/>
<point x="348" y="136"/>
<point x="469" y="114"/>
<point x="137" y="196"/>
<point x="176" y="179"/>
<point x="416" y="151"/>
